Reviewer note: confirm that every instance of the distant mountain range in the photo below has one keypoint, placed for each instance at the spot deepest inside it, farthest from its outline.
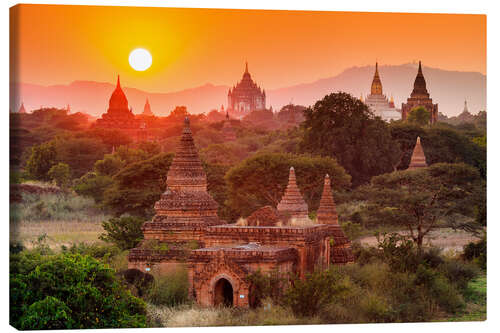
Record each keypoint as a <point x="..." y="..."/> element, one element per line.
<point x="447" y="88"/>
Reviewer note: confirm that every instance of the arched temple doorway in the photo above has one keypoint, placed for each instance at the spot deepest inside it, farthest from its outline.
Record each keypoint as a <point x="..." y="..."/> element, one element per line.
<point x="223" y="293"/>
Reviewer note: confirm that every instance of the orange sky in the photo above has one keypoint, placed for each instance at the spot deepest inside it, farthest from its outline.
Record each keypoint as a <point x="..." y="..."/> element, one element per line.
<point x="190" y="47"/>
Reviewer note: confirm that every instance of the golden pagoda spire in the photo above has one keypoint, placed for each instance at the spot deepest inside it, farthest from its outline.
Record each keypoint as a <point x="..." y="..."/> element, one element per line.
<point x="376" y="83"/>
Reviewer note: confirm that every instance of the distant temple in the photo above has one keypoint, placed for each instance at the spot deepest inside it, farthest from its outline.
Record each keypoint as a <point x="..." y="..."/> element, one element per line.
<point x="22" y="109"/>
<point x="147" y="109"/>
<point x="246" y="96"/>
<point x="466" y="109"/>
<point x="420" y="97"/>
<point x="418" y="157"/>
<point x="118" y="115"/>
<point x="378" y="102"/>
<point x="187" y="232"/>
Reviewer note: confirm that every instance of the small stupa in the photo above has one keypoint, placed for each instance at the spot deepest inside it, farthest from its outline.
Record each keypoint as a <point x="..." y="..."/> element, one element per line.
<point x="292" y="204"/>
<point x="228" y="130"/>
<point x="22" y="109"/>
<point x="418" y="157"/>
<point x="327" y="212"/>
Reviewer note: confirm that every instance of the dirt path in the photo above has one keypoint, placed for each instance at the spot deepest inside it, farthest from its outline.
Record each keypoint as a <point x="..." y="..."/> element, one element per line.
<point x="447" y="239"/>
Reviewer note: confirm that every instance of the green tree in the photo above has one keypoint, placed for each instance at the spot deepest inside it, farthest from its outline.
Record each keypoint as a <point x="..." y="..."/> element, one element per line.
<point x="109" y="165"/>
<point x="69" y="291"/>
<point x="419" y="116"/>
<point x="427" y="198"/>
<point x="79" y="153"/>
<point x="42" y="158"/>
<point x="125" y="232"/>
<point x="138" y="186"/>
<point x="341" y="126"/>
<point x="261" y="180"/>
<point x="92" y="185"/>
<point x="60" y="174"/>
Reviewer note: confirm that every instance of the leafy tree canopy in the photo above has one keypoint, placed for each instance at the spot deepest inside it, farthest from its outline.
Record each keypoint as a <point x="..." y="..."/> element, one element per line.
<point x="341" y="126"/>
<point x="261" y="180"/>
<point x="419" y="116"/>
<point x="424" y="199"/>
<point x="68" y="291"/>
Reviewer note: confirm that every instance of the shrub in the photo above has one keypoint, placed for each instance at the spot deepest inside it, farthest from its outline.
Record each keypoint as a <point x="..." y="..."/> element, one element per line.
<point x="125" y="231"/>
<point x="60" y="174"/>
<point x="69" y="291"/>
<point x="459" y="272"/>
<point x="307" y="297"/>
<point x="476" y="251"/>
<point x="49" y="314"/>
<point x="264" y="286"/>
<point x="169" y="289"/>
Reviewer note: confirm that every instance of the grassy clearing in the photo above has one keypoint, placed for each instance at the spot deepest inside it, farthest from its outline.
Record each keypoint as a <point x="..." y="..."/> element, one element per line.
<point x="476" y="301"/>
<point x="58" y="232"/>
<point x="451" y="241"/>
<point x="56" y="207"/>
<point x="195" y="316"/>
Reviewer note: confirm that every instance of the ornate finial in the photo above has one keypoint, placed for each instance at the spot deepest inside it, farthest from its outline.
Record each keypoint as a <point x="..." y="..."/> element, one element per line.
<point x="419" y="67"/>
<point x="118" y="82"/>
<point x="246" y="66"/>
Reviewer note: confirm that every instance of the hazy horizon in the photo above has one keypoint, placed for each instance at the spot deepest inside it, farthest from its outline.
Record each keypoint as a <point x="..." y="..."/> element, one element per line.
<point x="191" y="47"/>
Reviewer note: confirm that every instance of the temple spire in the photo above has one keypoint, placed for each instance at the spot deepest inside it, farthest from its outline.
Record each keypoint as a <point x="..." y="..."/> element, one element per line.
<point x="118" y="82"/>
<point x="292" y="204"/>
<point x="417" y="157"/>
<point x="327" y="212"/>
<point x="246" y="66"/>
<point x="376" y="83"/>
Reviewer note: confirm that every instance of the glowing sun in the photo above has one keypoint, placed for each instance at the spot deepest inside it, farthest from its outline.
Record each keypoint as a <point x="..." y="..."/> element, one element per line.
<point x="140" y="59"/>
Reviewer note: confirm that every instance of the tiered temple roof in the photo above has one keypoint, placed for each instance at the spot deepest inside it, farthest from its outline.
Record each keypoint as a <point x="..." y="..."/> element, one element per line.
<point x="246" y="96"/>
<point x="292" y="204"/>
<point x="378" y="102"/>
<point x="186" y="200"/>
<point x="420" y="97"/>
<point x="118" y="115"/>
<point x="147" y="109"/>
<point x="418" y="157"/>
<point x="327" y="212"/>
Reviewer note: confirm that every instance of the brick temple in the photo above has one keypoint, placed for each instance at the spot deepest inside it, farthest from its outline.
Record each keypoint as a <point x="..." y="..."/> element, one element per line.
<point x="186" y="231"/>
<point x="420" y="97"/>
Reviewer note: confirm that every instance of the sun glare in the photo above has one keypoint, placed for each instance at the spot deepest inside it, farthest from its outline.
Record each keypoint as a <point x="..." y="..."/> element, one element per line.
<point x="140" y="59"/>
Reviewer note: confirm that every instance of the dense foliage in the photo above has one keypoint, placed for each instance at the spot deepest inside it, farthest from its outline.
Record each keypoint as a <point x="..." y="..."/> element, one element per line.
<point x="423" y="199"/>
<point x="261" y="180"/>
<point x="341" y="126"/>
<point x="125" y="232"/>
<point x="69" y="291"/>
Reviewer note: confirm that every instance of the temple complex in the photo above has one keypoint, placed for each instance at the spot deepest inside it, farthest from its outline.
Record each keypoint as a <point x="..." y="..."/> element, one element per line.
<point x="245" y="97"/>
<point x="118" y="115"/>
<point x="417" y="157"/>
<point x="228" y="132"/>
<point x="378" y="102"/>
<point x="147" y="109"/>
<point x="420" y="97"/>
<point x="187" y="232"/>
